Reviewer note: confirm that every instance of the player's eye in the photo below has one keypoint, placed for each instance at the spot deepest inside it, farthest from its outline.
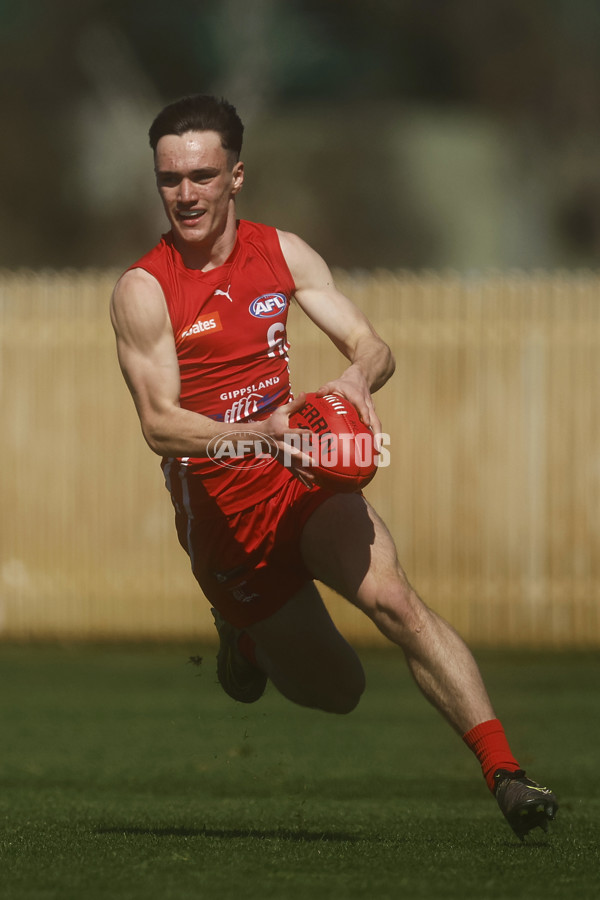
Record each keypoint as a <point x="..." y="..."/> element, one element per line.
<point x="167" y="179"/>
<point x="202" y="177"/>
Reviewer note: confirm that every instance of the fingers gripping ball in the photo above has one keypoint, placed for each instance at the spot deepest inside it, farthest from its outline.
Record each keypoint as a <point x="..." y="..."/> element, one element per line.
<point x="341" y="447"/>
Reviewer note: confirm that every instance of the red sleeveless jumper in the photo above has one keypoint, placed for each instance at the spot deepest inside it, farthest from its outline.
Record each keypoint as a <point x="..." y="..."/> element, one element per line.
<point x="229" y="325"/>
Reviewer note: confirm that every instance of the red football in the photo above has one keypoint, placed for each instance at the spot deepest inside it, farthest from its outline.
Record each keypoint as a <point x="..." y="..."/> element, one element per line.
<point x="341" y="446"/>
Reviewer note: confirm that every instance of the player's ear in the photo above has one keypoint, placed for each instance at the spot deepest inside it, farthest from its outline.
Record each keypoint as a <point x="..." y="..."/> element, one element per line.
<point x="238" y="177"/>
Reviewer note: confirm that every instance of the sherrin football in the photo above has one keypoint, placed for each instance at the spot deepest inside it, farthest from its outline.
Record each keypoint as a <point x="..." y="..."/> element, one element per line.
<point x="340" y="445"/>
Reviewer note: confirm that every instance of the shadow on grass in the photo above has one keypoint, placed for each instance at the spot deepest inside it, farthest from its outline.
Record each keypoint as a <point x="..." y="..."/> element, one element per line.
<point x="283" y="834"/>
<point x="509" y="844"/>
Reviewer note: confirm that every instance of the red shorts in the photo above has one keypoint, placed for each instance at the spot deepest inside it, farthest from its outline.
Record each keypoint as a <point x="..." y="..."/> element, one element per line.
<point x="249" y="564"/>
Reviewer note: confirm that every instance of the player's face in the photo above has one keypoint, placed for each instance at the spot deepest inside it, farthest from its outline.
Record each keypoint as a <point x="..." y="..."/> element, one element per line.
<point x="197" y="180"/>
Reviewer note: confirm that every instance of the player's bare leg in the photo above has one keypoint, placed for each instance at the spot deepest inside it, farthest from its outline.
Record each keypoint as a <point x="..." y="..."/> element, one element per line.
<point x="306" y="657"/>
<point x="348" y="547"/>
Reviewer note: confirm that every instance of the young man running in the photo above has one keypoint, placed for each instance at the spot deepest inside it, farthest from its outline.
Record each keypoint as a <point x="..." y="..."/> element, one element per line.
<point x="200" y="322"/>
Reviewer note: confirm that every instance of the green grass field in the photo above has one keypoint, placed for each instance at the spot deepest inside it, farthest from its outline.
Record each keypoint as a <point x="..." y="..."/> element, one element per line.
<point x="127" y="773"/>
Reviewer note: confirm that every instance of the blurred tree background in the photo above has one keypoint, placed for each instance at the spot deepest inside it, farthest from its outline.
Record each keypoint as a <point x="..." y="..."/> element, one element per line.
<point x="393" y="133"/>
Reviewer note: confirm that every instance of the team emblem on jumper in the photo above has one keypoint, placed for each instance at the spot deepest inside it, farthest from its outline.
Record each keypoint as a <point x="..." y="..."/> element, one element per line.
<point x="268" y="305"/>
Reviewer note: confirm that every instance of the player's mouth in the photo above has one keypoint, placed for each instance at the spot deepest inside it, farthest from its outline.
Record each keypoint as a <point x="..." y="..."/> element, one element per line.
<point x="189" y="217"/>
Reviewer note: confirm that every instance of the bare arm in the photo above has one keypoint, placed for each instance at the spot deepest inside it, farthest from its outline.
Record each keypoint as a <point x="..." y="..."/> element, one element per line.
<point x="148" y="360"/>
<point x="371" y="360"/>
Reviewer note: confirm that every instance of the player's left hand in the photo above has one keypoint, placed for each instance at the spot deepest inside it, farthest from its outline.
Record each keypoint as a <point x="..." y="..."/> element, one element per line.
<point x="352" y="385"/>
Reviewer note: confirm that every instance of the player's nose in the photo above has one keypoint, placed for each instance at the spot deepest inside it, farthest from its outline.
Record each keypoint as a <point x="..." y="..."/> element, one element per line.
<point x="187" y="191"/>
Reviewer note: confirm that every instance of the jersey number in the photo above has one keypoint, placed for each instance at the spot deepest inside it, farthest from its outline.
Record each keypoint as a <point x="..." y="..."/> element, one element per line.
<point x="276" y="340"/>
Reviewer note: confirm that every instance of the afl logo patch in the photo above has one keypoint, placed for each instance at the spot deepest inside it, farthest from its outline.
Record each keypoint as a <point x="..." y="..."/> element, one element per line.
<point x="268" y="305"/>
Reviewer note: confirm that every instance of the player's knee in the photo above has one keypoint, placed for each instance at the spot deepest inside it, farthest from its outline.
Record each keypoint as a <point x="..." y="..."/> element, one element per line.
<point x="335" y="686"/>
<point x="345" y="707"/>
<point x="326" y="699"/>
<point x="341" y="702"/>
<point x="341" y="696"/>
<point x="350" y="696"/>
<point x="400" y="613"/>
<point x="350" y="701"/>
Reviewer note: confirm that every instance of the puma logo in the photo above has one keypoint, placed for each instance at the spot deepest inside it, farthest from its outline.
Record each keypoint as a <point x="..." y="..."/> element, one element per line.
<point x="224" y="294"/>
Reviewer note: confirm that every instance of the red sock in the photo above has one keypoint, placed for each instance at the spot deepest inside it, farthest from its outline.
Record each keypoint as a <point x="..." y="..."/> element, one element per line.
<point x="247" y="648"/>
<point x="488" y="743"/>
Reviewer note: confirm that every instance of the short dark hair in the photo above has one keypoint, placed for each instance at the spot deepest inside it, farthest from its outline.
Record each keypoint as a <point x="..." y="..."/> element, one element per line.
<point x="199" y="112"/>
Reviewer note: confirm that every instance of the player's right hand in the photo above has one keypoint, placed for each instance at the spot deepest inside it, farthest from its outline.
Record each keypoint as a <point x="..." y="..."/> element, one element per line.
<point x="277" y="428"/>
